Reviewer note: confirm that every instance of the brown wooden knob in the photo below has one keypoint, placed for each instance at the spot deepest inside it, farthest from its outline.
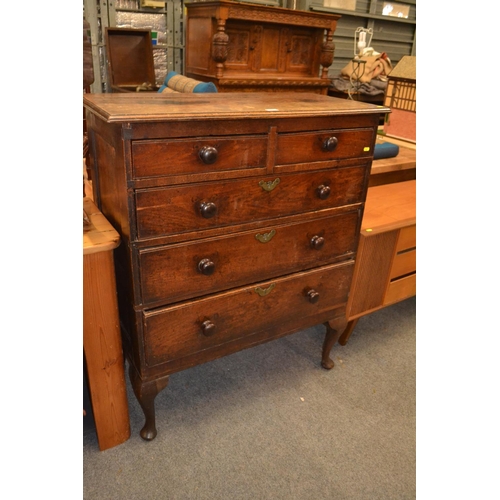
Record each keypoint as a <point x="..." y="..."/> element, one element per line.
<point x="313" y="296"/>
<point x="208" y="328"/>
<point x="317" y="242"/>
<point x="208" y="154"/>
<point x="206" y="267"/>
<point x="323" y="192"/>
<point x="330" y="144"/>
<point x="208" y="209"/>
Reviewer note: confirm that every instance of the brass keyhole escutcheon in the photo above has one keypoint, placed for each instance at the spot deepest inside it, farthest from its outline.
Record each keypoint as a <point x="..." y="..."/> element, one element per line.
<point x="264" y="238"/>
<point x="262" y="292"/>
<point x="269" y="185"/>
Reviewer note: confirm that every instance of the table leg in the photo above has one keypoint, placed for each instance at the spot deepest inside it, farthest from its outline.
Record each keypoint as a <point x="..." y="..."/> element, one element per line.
<point x="103" y="350"/>
<point x="347" y="332"/>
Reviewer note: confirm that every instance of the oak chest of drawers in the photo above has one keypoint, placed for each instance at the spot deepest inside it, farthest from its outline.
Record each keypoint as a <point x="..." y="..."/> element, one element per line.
<point x="239" y="216"/>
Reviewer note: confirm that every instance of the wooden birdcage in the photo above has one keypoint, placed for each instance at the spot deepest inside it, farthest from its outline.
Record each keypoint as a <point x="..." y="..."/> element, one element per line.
<point x="401" y="97"/>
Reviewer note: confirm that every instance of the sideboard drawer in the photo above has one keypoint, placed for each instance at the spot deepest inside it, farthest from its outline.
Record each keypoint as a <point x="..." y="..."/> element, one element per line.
<point x="194" y="326"/>
<point x="176" y="272"/>
<point x="407" y="238"/>
<point x="324" y="145"/>
<point x="194" y="207"/>
<point x="404" y="263"/>
<point x="401" y="289"/>
<point x="195" y="155"/>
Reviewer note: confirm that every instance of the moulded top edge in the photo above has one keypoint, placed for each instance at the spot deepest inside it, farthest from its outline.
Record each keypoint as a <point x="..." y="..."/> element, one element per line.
<point x="133" y="107"/>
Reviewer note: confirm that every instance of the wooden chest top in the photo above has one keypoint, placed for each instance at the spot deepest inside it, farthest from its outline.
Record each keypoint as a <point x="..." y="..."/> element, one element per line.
<point x="158" y="107"/>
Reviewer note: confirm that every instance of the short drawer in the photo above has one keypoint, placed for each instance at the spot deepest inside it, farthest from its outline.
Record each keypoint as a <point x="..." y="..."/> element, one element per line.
<point x="177" y="272"/>
<point x="324" y="145"/>
<point x="404" y="263"/>
<point x="194" y="155"/>
<point x="401" y="289"/>
<point x="194" y="207"/>
<point x="407" y="238"/>
<point x="185" y="329"/>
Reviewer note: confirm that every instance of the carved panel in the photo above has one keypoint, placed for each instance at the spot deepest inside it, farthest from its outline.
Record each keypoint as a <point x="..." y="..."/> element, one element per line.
<point x="302" y="51"/>
<point x="238" y="47"/>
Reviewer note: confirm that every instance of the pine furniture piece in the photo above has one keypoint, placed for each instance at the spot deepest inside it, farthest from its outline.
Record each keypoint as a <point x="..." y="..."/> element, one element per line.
<point x="250" y="47"/>
<point x="101" y="330"/>
<point x="239" y="216"/>
<point x="385" y="272"/>
<point x="402" y="167"/>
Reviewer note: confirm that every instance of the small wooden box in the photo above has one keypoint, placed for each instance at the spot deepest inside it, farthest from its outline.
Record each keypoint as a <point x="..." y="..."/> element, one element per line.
<point x="130" y="60"/>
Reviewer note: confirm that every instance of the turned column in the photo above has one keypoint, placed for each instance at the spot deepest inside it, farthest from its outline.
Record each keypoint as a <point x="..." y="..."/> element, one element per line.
<point x="220" y="41"/>
<point x="327" y="52"/>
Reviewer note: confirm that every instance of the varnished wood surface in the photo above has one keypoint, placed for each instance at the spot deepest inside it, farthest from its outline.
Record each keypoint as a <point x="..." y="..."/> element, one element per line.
<point x="180" y="310"/>
<point x="269" y="13"/>
<point x="405" y="160"/>
<point x="388" y="227"/>
<point x="390" y="206"/>
<point x="100" y="235"/>
<point x="158" y="107"/>
<point x="101" y="332"/>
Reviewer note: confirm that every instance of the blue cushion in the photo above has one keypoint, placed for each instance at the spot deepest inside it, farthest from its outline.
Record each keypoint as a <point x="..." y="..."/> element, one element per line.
<point x="181" y="83"/>
<point x="385" y="150"/>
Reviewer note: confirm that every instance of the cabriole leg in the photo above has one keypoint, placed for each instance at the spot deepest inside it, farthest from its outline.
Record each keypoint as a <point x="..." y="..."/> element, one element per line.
<point x="146" y="392"/>
<point x="334" y="328"/>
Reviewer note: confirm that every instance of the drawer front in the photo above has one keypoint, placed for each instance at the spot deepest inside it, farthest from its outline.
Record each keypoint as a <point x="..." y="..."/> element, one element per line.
<point x="177" y="272"/>
<point x="322" y="146"/>
<point x="192" y="156"/>
<point x="195" y="207"/>
<point x="401" y="289"/>
<point x="195" y="326"/>
<point x="404" y="263"/>
<point x="407" y="238"/>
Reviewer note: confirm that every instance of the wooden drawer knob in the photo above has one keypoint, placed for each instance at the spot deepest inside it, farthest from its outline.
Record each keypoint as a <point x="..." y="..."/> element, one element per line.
<point x="317" y="242"/>
<point x="330" y="144"/>
<point x="323" y="192"/>
<point x="208" y="209"/>
<point x="313" y="296"/>
<point x="208" y="328"/>
<point x="206" y="267"/>
<point x="208" y="154"/>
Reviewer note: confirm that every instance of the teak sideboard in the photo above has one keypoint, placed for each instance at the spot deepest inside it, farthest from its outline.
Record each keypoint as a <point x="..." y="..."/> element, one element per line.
<point x="239" y="216"/>
<point x="245" y="47"/>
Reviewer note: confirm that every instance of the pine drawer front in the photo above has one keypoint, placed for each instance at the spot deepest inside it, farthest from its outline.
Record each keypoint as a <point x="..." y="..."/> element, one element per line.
<point x="198" y="325"/>
<point x="195" y="155"/>
<point x="407" y="238"/>
<point x="404" y="263"/>
<point x="177" y="272"/>
<point x="403" y="276"/>
<point x="324" y="145"/>
<point x="194" y="207"/>
<point x="400" y="289"/>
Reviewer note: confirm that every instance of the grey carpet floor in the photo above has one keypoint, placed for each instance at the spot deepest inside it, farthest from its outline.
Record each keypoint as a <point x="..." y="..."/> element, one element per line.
<point x="269" y="423"/>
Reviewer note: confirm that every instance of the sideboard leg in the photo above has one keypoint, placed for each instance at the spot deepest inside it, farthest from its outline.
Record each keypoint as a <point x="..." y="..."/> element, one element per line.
<point x="347" y="332"/>
<point x="146" y="392"/>
<point x="334" y="328"/>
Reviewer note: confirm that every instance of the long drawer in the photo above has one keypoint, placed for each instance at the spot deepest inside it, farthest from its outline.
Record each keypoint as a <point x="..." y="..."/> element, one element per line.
<point x="179" y="209"/>
<point x="176" y="272"/>
<point x="198" y="325"/>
